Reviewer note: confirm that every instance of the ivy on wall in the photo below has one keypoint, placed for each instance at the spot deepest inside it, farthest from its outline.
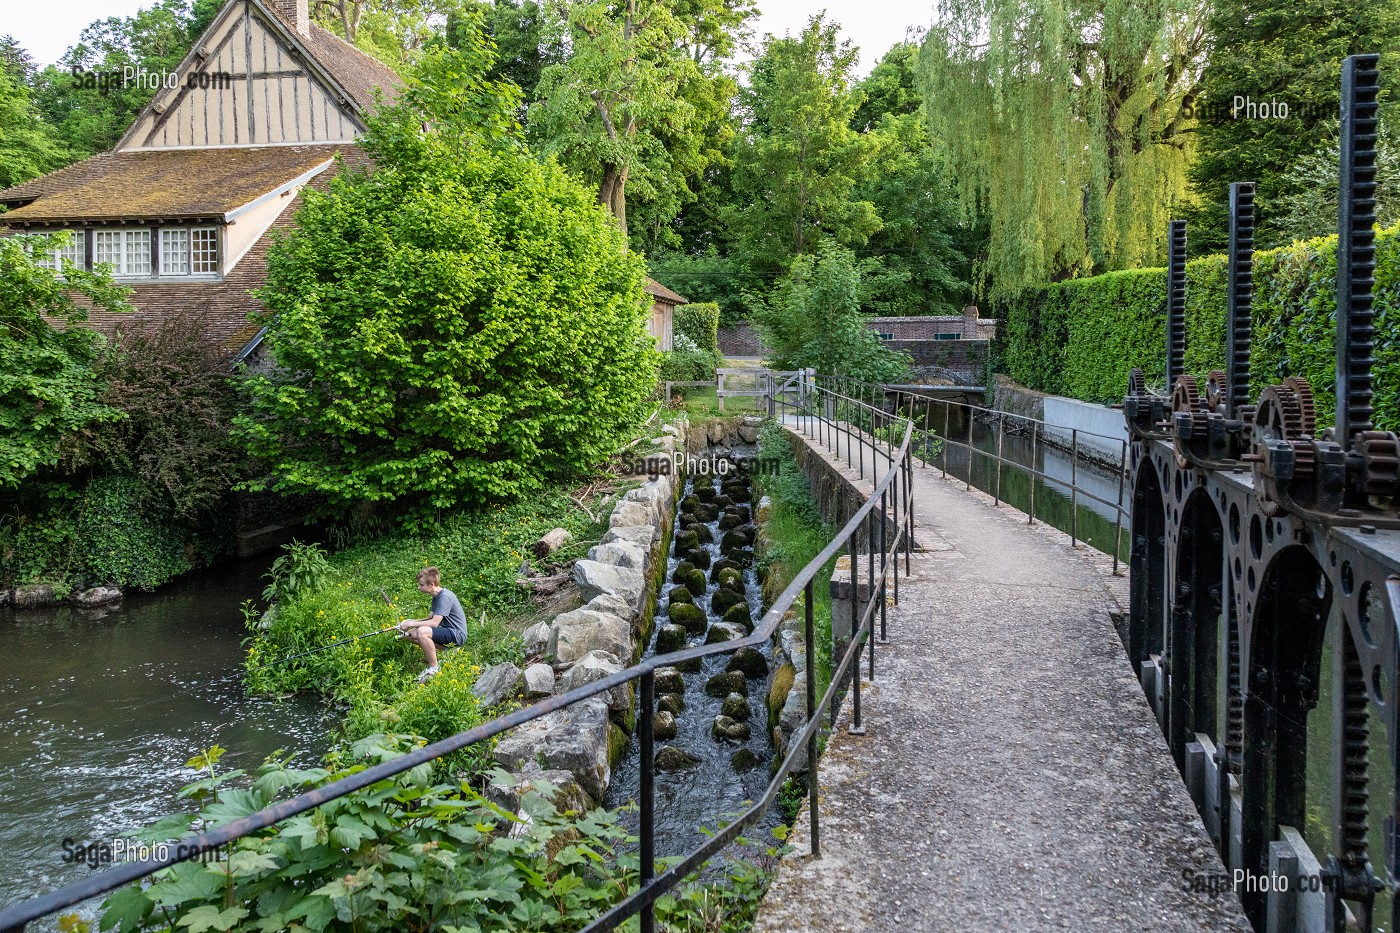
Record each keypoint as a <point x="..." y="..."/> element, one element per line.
<point x="1081" y="338"/>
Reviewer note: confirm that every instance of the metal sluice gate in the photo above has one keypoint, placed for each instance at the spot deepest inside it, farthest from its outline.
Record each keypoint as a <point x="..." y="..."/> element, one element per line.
<point x="1250" y="531"/>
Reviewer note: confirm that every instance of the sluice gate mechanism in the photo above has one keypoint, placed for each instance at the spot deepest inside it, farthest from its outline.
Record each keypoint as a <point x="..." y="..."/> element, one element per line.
<point x="1266" y="582"/>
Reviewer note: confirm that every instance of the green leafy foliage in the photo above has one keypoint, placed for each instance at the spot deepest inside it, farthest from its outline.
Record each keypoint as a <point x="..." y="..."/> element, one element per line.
<point x="687" y="366"/>
<point x="479" y="556"/>
<point x="1081" y="338"/>
<point x="699" y="323"/>
<point x="812" y="320"/>
<point x="48" y="387"/>
<point x="29" y="147"/>
<point x="797" y="168"/>
<point x="461" y="325"/>
<point x="300" y="569"/>
<point x="1270" y="51"/>
<point x="1066" y="126"/>
<point x="408" y="854"/>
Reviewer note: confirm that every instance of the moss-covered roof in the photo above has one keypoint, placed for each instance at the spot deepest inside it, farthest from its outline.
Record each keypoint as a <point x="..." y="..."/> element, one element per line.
<point x="661" y="293"/>
<point x="156" y="184"/>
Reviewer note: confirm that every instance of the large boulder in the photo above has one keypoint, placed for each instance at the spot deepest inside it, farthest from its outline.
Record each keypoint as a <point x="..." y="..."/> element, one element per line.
<point x="620" y="554"/>
<point x="690" y="617"/>
<point x="97" y="596"/>
<point x="750" y="661"/>
<point x="668" y="680"/>
<point x="595" y="666"/>
<point x="663" y="725"/>
<point x="574" y="634"/>
<point x="507" y="794"/>
<point x="573" y="739"/>
<point x="539" y="681"/>
<point x="673" y="703"/>
<point x="655" y="495"/>
<point x="722" y="685"/>
<point x="614" y="605"/>
<point x="724" y="598"/>
<point x="726" y="728"/>
<point x="679" y="594"/>
<point x="739" y="614"/>
<point x="536" y="639"/>
<point x="670" y="638"/>
<point x="724" y="631"/>
<point x="644" y="536"/>
<point x="630" y="513"/>
<point x="498" y="683"/>
<point x="670" y="758"/>
<point x="29" y="597"/>
<point x="736" y="706"/>
<point x="594" y="579"/>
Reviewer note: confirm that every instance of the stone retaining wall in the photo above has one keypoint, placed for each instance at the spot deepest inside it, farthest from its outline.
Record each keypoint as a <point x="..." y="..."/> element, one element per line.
<point x="576" y="748"/>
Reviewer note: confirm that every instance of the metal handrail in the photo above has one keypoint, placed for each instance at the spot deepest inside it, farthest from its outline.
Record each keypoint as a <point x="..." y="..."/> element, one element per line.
<point x="894" y="482"/>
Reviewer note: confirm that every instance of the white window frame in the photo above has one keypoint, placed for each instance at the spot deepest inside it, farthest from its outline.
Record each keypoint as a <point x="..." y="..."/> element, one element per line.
<point x="190" y="254"/>
<point x="169" y="251"/>
<point x="126" y="250"/>
<point x="74" y="252"/>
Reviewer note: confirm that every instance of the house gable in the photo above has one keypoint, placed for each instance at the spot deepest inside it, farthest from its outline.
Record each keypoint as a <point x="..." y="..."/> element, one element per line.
<point x="251" y="80"/>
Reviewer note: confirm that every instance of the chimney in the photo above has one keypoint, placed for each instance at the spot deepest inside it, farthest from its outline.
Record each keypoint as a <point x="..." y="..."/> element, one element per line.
<point x="969" y="323"/>
<point x="296" y="13"/>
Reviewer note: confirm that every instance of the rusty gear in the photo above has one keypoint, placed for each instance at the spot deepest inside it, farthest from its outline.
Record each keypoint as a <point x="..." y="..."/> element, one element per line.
<point x="1217" y="392"/>
<point x="1380" y="456"/>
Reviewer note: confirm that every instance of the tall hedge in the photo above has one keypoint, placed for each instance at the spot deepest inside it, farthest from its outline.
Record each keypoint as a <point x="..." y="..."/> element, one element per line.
<point x="1081" y="338"/>
<point x="700" y="322"/>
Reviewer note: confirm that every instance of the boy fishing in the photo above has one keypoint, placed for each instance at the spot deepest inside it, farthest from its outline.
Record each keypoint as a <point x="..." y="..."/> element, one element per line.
<point x="446" y="623"/>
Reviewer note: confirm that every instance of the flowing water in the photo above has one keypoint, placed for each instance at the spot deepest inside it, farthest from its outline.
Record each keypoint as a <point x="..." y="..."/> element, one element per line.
<point x="712" y="790"/>
<point x="101" y="709"/>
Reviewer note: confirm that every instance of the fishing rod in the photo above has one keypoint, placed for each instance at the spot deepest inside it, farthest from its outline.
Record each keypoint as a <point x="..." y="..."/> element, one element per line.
<point x="335" y="644"/>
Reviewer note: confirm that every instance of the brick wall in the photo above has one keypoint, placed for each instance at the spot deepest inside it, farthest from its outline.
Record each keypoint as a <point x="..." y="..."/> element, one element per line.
<point x="742" y="340"/>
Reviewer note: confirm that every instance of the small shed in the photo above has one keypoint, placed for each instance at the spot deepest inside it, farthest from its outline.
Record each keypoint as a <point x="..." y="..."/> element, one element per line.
<point x="663" y="313"/>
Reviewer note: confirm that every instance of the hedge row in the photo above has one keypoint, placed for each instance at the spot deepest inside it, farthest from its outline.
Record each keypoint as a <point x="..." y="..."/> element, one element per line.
<point x="1081" y="338"/>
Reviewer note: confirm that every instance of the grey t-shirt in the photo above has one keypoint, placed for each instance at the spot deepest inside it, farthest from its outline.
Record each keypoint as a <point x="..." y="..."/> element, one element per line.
<point x="445" y="604"/>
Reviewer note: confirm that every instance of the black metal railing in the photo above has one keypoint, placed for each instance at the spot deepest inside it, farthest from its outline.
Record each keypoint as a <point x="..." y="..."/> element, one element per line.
<point x="890" y="489"/>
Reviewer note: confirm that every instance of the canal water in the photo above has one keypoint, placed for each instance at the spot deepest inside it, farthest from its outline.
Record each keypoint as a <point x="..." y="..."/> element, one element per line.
<point x="698" y="797"/>
<point x="101" y="709"/>
<point x="972" y="458"/>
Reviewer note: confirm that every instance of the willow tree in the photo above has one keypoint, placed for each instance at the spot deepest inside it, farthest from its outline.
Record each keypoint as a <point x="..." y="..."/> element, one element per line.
<point x="1066" y="123"/>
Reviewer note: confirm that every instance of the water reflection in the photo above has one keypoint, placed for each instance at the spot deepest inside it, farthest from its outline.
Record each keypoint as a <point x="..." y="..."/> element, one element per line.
<point x="102" y="709"/>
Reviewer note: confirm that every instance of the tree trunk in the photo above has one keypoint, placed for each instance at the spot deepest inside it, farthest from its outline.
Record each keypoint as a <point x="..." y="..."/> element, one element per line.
<point x="612" y="194"/>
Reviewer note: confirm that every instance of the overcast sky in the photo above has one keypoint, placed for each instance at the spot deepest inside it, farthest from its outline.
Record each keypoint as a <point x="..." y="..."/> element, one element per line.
<point x="48" y="29"/>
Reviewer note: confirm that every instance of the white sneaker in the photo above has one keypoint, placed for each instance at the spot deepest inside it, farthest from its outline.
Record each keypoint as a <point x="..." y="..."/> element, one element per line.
<point x="427" y="674"/>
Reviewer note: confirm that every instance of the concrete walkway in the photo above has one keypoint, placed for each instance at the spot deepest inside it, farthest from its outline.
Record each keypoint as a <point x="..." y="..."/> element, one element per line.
<point x="1011" y="776"/>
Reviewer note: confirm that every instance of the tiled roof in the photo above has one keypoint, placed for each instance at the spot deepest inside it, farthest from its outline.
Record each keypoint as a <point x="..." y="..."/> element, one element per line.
<point x="359" y="74"/>
<point x="662" y="293"/>
<point x="152" y="184"/>
<point x="222" y="308"/>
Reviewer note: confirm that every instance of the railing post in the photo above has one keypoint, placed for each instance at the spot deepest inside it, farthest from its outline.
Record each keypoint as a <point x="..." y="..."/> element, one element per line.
<point x="812" y="786"/>
<point x="1001" y="437"/>
<point x="648" y="803"/>
<point x="946" y="414"/>
<point x="855" y="615"/>
<point x="970" y="419"/>
<point x="1074" y="488"/>
<point x="884" y="566"/>
<point x="898" y="482"/>
<point x="1118" y="515"/>
<point x="908" y="510"/>
<point x="927" y="439"/>
<point x="1035" y="433"/>
<point x="870" y="522"/>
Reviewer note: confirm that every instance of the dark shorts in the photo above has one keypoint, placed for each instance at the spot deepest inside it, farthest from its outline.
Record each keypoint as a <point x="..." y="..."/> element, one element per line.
<point x="443" y="635"/>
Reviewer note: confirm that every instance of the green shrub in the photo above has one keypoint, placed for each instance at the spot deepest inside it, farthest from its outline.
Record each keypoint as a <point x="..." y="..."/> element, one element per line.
<point x="687" y="366"/>
<point x="699" y="323"/>
<point x="1082" y="337"/>
<point x="463" y="324"/>
<point x="410" y="854"/>
<point x="299" y="570"/>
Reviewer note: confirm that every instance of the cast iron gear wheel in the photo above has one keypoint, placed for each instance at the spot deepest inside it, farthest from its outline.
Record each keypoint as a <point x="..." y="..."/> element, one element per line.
<point x="1280" y="417"/>
<point x="1380" y="454"/>
<point x="1137" y="382"/>
<point x="1303" y="390"/>
<point x="1217" y="392"/>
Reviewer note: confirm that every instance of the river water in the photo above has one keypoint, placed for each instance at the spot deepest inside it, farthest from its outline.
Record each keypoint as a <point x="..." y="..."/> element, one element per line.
<point x="101" y="709"/>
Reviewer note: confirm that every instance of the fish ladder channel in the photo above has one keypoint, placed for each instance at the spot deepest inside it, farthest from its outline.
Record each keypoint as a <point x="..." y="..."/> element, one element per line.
<point x="712" y="739"/>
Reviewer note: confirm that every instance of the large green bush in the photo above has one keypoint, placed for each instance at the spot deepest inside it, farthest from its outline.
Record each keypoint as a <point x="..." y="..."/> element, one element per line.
<point x="461" y="324"/>
<point x="699" y="322"/>
<point x="1081" y="338"/>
